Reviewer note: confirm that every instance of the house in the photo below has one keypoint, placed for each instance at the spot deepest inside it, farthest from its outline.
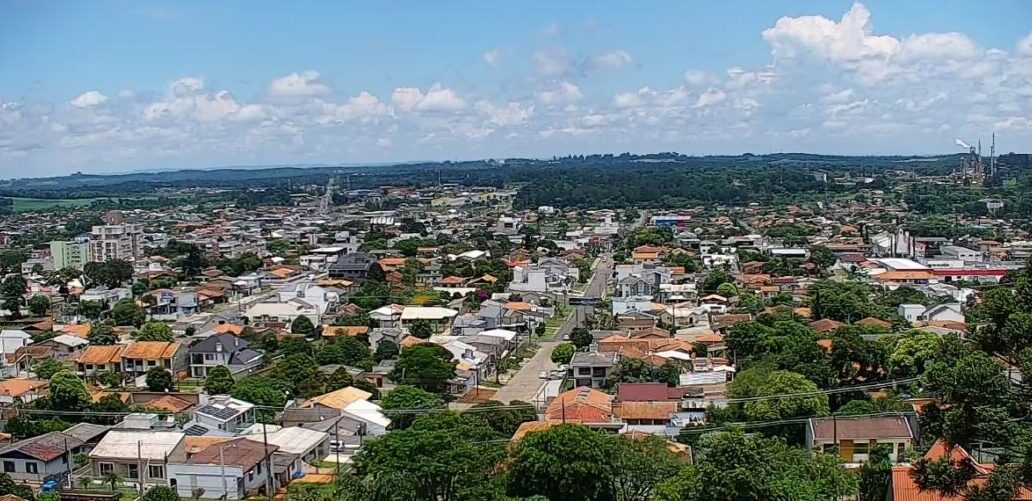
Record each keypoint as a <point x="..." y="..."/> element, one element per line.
<point x="21" y="391"/>
<point x="310" y="446"/>
<point x="354" y="404"/>
<point x="139" y="357"/>
<point x="234" y="468"/>
<point x="64" y="346"/>
<point x="903" y="486"/>
<point x="285" y="312"/>
<point x="41" y="458"/>
<point x="856" y="436"/>
<point x="399" y="316"/>
<point x="587" y="406"/>
<point x="10" y="341"/>
<point x="310" y="293"/>
<point x="138" y="455"/>
<point x="223" y="413"/>
<point x="222" y="349"/>
<point x="592" y="369"/>
<point x="915" y="313"/>
<point x="98" y="358"/>
<point x="355" y="267"/>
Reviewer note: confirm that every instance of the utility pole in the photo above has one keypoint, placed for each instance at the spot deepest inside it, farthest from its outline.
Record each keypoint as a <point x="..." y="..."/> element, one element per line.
<point x="222" y="470"/>
<point x="139" y="464"/>
<point x="268" y="464"/>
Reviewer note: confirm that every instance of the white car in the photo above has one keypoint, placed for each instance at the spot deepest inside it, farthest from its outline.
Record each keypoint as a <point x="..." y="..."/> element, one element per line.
<point x="543" y="375"/>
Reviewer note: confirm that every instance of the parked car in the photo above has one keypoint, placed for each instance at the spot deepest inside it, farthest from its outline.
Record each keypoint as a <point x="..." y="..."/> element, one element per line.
<point x="543" y="375"/>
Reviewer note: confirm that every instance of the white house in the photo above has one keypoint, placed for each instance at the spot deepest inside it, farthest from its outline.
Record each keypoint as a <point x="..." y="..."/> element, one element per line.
<point x="914" y="313"/>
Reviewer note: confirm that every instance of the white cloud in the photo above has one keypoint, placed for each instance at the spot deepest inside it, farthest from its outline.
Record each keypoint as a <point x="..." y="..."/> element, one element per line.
<point x="88" y="99"/>
<point x="551" y="62"/>
<point x="504" y="116"/>
<point x="628" y="100"/>
<point x="436" y="99"/>
<point x="613" y="59"/>
<point x="563" y="93"/>
<point x="710" y="97"/>
<point x="492" y="58"/>
<point x="1024" y="46"/>
<point x="298" y="85"/>
<point x="847" y="40"/>
<point x="698" y="77"/>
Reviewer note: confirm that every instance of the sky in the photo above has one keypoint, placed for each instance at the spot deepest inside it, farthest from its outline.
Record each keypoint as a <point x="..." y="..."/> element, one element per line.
<point x="120" y="85"/>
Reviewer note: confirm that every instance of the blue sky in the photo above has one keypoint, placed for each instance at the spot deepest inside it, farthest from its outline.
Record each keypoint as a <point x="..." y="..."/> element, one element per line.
<point x="125" y="85"/>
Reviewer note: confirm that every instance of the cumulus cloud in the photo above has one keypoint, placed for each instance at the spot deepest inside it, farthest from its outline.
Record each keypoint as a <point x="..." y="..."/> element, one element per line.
<point x="1024" y="46"/>
<point x="297" y="85"/>
<point x="563" y="93"/>
<point x="88" y="99"/>
<point x="613" y="59"/>
<point x="505" y="116"/>
<point x="492" y="58"/>
<point x="552" y="62"/>
<point x="710" y="97"/>
<point x="437" y="99"/>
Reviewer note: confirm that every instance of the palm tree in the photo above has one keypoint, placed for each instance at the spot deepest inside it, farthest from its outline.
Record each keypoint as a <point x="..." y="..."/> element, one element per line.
<point x="114" y="479"/>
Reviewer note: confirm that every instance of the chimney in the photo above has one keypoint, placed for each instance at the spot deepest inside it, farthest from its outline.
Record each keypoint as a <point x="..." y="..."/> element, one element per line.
<point x="218" y="346"/>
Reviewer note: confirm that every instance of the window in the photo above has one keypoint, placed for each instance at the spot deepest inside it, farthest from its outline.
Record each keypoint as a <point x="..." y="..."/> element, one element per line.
<point x="106" y="468"/>
<point x="31" y="467"/>
<point x="860" y="448"/>
<point x="133" y="471"/>
<point x="8" y="466"/>
<point x="156" y="471"/>
<point x="250" y="475"/>
<point x="901" y="447"/>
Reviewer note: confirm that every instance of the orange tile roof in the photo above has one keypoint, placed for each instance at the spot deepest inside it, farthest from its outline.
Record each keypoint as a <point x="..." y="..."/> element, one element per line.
<point x="347" y="330"/>
<point x="891" y="276"/>
<point x="79" y="330"/>
<point x="98" y="354"/>
<point x="518" y="306"/>
<point x="451" y="280"/>
<point x="645" y="410"/>
<point x="585" y="404"/>
<point x="904" y="488"/>
<point x="826" y="325"/>
<point x="536" y="426"/>
<point x="874" y="322"/>
<point x="168" y="403"/>
<point x="150" y="350"/>
<point x="18" y="387"/>
<point x="228" y="328"/>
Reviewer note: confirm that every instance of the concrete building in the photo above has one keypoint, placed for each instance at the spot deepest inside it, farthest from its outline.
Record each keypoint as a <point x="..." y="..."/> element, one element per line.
<point x="72" y="254"/>
<point x="116" y="241"/>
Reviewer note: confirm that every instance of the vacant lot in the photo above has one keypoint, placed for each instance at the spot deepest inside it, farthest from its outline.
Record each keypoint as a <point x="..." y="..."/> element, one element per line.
<point x="30" y="204"/>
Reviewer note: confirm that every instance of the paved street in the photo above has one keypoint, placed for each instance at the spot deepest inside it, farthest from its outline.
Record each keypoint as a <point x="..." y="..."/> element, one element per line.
<point x="525" y="383"/>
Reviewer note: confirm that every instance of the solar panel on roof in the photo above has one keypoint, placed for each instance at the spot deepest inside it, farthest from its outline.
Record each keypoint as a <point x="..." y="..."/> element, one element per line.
<point x="226" y="413"/>
<point x="195" y="430"/>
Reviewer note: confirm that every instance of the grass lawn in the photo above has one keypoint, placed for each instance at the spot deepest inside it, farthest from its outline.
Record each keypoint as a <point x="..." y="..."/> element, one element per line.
<point x="31" y="204"/>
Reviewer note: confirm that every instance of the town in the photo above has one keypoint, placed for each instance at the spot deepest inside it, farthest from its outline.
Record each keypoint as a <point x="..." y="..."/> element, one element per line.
<point x="320" y="344"/>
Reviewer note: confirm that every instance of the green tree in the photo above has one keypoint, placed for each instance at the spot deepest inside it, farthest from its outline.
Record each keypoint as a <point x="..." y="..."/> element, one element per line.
<point x="442" y="456"/>
<point x="727" y="290"/>
<point x="502" y="418"/>
<point x="91" y="309"/>
<point x="39" y="304"/>
<point x="408" y="400"/>
<point x="911" y="353"/>
<point x="640" y="465"/>
<point x="101" y="334"/>
<point x="563" y="353"/>
<point x="155" y="331"/>
<point x="159" y="379"/>
<point x="427" y="366"/>
<point x="160" y="493"/>
<point x="262" y="390"/>
<point x="302" y="325"/>
<point x="421" y="329"/>
<point x="12" y="291"/>
<point x="823" y="257"/>
<point x="302" y="372"/>
<point x="762" y="383"/>
<point x="581" y="338"/>
<point x="68" y="392"/>
<point x="219" y="381"/>
<point x="126" y="312"/>
<point x="715" y="279"/>
<point x="876" y="475"/>
<point x="750" y="303"/>
<point x="341" y="378"/>
<point x="47" y="367"/>
<point x="569" y="462"/>
<point x="386" y="350"/>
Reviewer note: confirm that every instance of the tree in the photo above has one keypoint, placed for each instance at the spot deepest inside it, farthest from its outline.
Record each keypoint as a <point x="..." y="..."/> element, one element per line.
<point x="8" y="487"/>
<point x="106" y="409"/>
<point x="715" y="279"/>
<point x="427" y="366"/>
<point x="640" y="464"/>
<point x="262" y="390"/>
<point x="110" y="274"/>
<point x="727" y="289"/>
<point x="39" y="304"/>
<point x="68" y="392"/>
<point x="408" y="399"/>
<point x="736" y="466"/>
<point x="91" y="309"/>
<point x="761" y="383"/>
<point x="341" y="378"/>
<point x="302" y="372"/>
<point x="750" y="303"/>
<point x="442" y="456"/>
<point x="160" y="493"/>
<point x="569" y="462"/>
<point x="581" y="338"/>
<point x="219" y="381"/>
<point x="159" y="379"/>
<point x="11" y="291"/>
<point x="386" y="350"/>
<point x="875" y="475"/>
<point x="47" y="367"/>
<point x="101" y="334"/>
<point x="823" y="257"/>
<point x="910" y="353"/>
<point x="302" y="325"/>
<point x="563" y="353"/>
<point x="505" y="419"/>
<point x="155" y="331"/>
<point x="126" y="312"/>
<point x="421" y="329"/>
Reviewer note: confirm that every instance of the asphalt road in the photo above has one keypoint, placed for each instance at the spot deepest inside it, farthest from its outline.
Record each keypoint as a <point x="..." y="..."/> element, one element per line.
<point x="525" y="383"/>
